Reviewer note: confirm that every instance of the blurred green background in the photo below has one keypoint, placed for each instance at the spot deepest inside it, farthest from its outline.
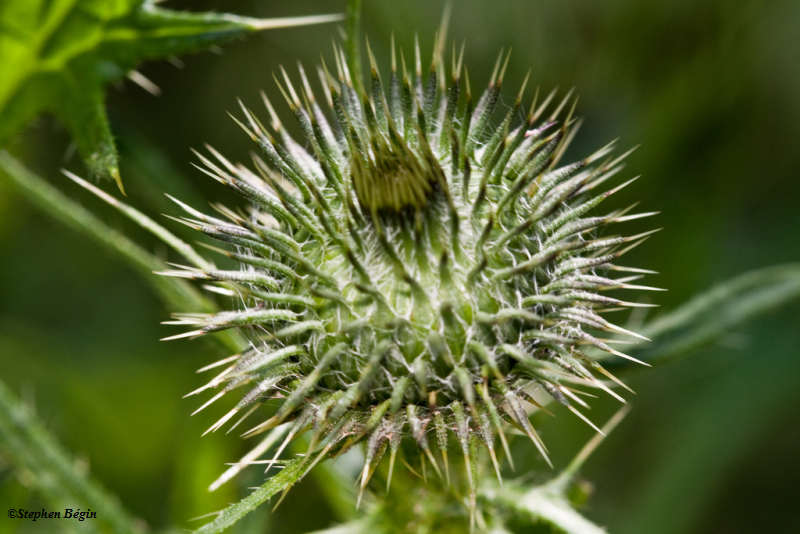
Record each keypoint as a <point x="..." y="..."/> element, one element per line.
<point x="710" y="90"/>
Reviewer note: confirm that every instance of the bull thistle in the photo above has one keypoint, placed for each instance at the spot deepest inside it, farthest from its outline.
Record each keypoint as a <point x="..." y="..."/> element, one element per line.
<point x="412" y="271"/>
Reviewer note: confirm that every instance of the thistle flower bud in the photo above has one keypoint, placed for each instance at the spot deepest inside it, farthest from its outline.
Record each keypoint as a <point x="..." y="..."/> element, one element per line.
<point x="411" y="269"/>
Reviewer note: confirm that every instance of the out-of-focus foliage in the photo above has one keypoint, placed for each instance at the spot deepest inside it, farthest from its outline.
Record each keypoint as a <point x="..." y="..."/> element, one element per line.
<point x="709" y="89"/>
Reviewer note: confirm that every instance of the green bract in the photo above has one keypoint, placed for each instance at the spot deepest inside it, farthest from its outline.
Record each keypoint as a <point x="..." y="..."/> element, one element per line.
<point x="412" y="269"/>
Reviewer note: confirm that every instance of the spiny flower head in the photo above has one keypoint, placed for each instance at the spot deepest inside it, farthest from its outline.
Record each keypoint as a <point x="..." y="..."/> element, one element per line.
<point x="413" y="269"/>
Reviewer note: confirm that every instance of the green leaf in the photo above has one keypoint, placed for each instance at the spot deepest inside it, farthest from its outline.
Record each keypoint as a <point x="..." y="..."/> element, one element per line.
<point x="58" y="56"/>
<point x="30" y="446"/>
<point x="715" y="312"/>
<point x="722" y="423"/>
<point x="291" y="473"/>
<point x="542" y="505"/>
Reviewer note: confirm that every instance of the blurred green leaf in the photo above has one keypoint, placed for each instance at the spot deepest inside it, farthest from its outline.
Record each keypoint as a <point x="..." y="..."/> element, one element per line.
<point x="720" y="429"/>
<point x="713" y="313"/>
<point x="31" y="447"/>
<point x="59" y="55"/>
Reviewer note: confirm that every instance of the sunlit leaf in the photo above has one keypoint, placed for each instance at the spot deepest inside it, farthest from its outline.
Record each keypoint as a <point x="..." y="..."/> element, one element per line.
<point x="57" y="56"/>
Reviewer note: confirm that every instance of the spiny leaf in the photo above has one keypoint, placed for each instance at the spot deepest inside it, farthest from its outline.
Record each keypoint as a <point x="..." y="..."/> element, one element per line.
<point x="288" y="476"/>
<point x="59" y="55"/>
